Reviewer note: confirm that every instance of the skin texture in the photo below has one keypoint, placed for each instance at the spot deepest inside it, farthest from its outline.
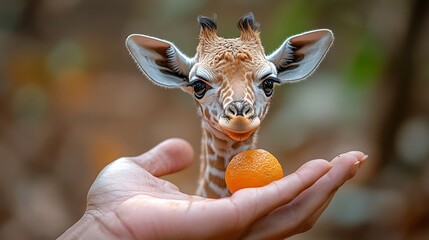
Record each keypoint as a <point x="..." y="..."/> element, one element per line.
<point x="128" y="200"/>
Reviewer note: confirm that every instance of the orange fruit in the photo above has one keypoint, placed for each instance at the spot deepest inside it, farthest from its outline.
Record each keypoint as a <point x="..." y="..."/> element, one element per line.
<point x="252" y="168"/>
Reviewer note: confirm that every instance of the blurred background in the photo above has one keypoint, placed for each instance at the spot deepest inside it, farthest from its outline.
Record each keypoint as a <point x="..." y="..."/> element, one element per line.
<point x="72" y="100"/>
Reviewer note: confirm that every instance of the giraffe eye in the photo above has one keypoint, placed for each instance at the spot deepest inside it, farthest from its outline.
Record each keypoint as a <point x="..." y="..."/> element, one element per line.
<point x="200" y="88"/>
<point x="268" y="87"/>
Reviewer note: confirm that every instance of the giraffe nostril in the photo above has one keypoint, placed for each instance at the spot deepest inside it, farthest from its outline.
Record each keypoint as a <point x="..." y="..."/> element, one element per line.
<point x="247" y="111"/>
<point x="231" y="110"/>
<point x="239" y="108"/>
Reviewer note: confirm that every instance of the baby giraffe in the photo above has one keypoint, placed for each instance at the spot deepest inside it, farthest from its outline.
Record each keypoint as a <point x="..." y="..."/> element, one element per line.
<point x="232" y="81"/>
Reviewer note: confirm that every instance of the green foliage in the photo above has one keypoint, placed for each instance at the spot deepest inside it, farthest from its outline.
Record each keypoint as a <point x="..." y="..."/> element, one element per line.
<point x="367" y="64"/>
<point x="289" y="18"/>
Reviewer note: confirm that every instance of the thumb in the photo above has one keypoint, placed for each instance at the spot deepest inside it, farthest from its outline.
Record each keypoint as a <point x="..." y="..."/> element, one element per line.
<point x="169" y="156"/>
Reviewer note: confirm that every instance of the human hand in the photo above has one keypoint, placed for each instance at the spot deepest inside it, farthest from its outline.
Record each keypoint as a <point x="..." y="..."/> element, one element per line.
<point x="129" y="201"/>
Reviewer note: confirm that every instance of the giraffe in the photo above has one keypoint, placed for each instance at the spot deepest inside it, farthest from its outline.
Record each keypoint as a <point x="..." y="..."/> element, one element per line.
<point x="232" y="82"/>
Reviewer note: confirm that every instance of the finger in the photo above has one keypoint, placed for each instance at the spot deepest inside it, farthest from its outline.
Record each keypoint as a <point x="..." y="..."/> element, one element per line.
<point x="303" y="211"/>
<point x="308" y="212"/>
<point x="312" y="220"/>
<point x="169" y="156"/>
<point x="253" y="203"/>
<point x="234" y="214"/>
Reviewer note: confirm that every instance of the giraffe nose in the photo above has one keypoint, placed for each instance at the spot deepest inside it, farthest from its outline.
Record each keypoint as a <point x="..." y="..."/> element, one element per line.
<point x="239" y="108"/>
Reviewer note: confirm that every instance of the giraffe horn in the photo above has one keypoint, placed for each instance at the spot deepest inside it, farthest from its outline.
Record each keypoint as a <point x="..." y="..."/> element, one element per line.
<point x="249" y="28"/>
<point x="208" y="27"/>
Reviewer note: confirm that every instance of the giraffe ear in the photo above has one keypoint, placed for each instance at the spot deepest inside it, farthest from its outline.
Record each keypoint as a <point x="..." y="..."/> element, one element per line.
<point x="159" y="60"/>
<point x="298" y="57"/>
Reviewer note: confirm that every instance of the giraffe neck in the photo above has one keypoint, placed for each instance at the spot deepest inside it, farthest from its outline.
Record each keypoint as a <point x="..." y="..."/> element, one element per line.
<point x="217" y="149"/>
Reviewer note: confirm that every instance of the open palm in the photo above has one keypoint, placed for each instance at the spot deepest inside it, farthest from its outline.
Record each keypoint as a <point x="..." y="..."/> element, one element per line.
<point x="128" y="200"/>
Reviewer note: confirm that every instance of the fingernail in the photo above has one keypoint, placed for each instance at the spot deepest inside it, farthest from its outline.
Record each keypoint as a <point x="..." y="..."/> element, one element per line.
<point x="362" y="160"/>
<point x="357" y="154"/>
<point x="354" y="169"/>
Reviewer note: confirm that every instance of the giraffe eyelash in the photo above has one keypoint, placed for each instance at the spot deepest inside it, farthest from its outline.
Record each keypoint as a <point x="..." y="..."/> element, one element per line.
<point x="270" y="77"/>
<point x="196" y="79"/>
<point x="275" y="80"/>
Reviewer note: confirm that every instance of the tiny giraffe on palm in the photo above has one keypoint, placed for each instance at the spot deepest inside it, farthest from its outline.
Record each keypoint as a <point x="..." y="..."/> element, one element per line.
<point x="232" y="81"/>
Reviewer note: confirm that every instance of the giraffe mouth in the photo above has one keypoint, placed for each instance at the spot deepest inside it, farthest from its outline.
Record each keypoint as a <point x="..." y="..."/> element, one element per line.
<point x="239" y="128"/>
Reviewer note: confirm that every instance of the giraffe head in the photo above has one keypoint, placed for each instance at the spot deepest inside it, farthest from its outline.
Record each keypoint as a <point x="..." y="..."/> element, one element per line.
<point x="232" y="80"/>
